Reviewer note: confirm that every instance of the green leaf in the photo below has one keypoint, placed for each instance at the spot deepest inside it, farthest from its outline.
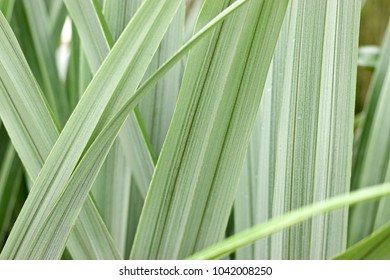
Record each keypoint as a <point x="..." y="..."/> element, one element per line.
<point x="314" y="138"/>
<point x="199" y="167"/>
<point x="294" y="217"/>
<point x="136" y="203"/>
<point x="111" y="192"/>
<point x="117" y="14"/>
<point x="6" y="7"/>
<point x="371" y="156"/>
<point x="254" y="196"/>
<point x="85" y="18"/>
<point x="80" y="241"/>
<point x="10" y="182"/>
<point x="57" y="15"/>
<point x="157" y="107"/>
<point x="374" y="247"/>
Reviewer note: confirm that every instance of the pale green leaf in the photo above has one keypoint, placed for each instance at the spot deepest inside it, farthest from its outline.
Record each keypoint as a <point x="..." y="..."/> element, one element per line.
<point x="314" y="139"/>
<point x="157" y="107"/>
<point x="6" y="7"/>
<point x="57" y="15"/>
<point x="118" y="13"/>
<point x="11" y="177"/>
<point x="371" y="157"/>
<point x="374" y="247"/>
<point x="294" y="217"/>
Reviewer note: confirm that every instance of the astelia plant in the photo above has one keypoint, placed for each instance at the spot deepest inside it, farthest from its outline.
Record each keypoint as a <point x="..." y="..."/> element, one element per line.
<point x="180" y="129"/>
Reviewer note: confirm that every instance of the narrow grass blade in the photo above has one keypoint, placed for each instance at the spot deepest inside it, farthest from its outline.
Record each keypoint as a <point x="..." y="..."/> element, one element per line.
<point x="371" y="156"/>
<point x="117" y="14"/>
<point x="253" y="204"/>
<point x="157" y="107"/>
<point x="22" y="31"/>
<point x="294" y="217"/>
<point x="316" y="125"/>
<point x="383" y="213"/>
<point x="57" y="15"/>
<point x="111" y="192"/>
<point x="11" y="176"/>
<point x="25" y="114"/>
<point x="192" y="13"/>
<point x="84" y="15"/>
<point x="76" y="71"/>
<point x="123" y="68"/>
<point x="45" y="52"/>
<point x="374" y="247"/>
<point x="208" y="137"/>
<point x="136" y="203"/>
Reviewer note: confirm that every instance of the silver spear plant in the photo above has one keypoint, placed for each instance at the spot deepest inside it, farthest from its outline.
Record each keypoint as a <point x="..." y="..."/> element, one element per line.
<point x="176" y="118"/>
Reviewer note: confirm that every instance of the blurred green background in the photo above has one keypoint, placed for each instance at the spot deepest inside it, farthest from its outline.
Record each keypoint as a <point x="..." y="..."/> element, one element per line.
<point x="372" y="29"/>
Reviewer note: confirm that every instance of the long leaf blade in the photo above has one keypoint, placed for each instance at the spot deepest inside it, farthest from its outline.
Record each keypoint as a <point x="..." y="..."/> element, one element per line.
<point x="294" y="217"/>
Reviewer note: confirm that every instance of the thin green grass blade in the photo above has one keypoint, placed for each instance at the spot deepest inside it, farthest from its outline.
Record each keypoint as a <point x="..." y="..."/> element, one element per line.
<point x="117" y="14"/>
<point x="45" y="52"/>
<point x="123" y="68"/>
<point x="294" y="217"/>
<point x="254" y="196"/>
<point x="74" y="73"/>
<point x="383" y="213"/>
<point x="157" y="107"/>
<point x="25" y="115"/>
<point x="374" y="247"/>
<point x="22" y="31"/>
<point x="84" y="15"/>
<point x="192" y="13"/>
<point x="136" y="203"/>
<point x="11" y="176"/>
<point x="111" y="192"/>
<point x="4" y="140"/>
<point x="212" y="116"/>
<point x="372" y="150"/>
<point x="57" y="15"/>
